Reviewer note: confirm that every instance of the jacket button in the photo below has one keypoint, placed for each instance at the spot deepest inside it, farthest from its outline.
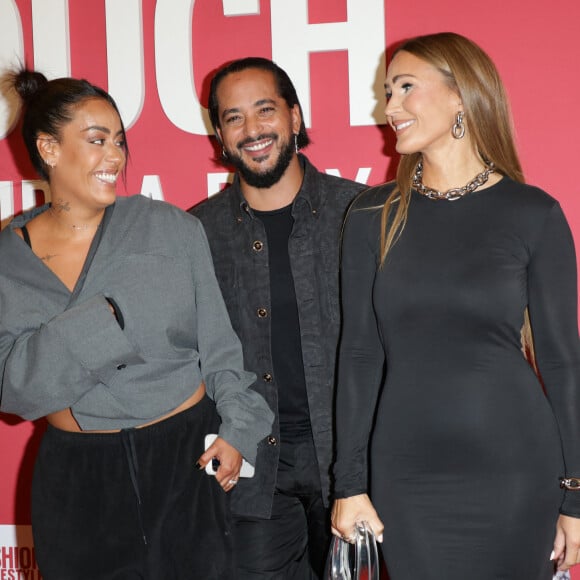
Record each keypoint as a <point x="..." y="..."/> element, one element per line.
<point x="272" y="440"/>
<point x="121" y="367"/>
<point x="262" y="313"/>
<point x="258" y="246"/>
<point x="267" y="377"/>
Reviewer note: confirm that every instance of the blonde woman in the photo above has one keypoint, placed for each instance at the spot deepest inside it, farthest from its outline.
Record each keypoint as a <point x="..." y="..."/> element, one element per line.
<point x="474" y="470"/>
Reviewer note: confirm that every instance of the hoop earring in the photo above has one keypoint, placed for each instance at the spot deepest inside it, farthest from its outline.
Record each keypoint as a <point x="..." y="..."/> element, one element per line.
<point x="224" y="153"/>
<point x="458" y="129"/>
<point x="296" y="148"/>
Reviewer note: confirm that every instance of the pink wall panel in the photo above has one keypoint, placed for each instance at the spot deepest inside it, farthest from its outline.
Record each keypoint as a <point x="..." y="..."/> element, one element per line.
<point x="534" y="44"/>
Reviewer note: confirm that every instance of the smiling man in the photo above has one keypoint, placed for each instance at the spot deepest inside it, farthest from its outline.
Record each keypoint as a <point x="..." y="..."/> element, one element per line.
<point x="275" y="236"/>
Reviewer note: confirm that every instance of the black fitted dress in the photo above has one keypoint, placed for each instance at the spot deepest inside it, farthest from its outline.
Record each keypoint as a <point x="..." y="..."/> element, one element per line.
<point x="465" y="450"/>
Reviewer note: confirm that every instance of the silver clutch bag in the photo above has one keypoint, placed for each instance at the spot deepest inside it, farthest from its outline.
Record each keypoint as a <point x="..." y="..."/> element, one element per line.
<point x="356" y="561"/>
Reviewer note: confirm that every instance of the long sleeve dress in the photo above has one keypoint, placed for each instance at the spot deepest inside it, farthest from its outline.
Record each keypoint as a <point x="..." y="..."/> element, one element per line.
<point x="465" y="446"/>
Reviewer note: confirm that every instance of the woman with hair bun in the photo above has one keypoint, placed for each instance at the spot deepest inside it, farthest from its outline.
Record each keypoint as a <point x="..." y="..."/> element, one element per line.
<point x="114" y="329"/>
<point x="474" y="470"/>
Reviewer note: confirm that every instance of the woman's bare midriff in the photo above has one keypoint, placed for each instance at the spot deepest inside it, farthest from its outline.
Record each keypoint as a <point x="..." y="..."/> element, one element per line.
<point x="65" y="421"/>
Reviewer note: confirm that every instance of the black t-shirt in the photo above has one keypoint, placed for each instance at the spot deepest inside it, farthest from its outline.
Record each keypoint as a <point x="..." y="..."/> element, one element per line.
<point x="285" y="326"/>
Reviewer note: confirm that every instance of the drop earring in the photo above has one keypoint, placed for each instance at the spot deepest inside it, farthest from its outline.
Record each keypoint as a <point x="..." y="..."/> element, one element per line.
<point x="458" y="129"/>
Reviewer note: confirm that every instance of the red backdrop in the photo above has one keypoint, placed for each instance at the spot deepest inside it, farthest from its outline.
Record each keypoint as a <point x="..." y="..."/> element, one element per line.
<point x="156" y="59"/>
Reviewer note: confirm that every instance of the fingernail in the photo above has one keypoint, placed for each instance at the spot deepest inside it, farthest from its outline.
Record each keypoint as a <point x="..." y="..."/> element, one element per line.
<point x="380" y="538"/>
<point x="552" y="555"/>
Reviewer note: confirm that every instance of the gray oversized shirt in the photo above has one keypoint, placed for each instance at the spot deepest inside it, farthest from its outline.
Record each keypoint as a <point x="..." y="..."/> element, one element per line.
<point x="60" y="349"/>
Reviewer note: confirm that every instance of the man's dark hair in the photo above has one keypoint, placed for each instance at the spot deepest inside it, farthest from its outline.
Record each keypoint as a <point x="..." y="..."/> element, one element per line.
<point x="284" y="87"/>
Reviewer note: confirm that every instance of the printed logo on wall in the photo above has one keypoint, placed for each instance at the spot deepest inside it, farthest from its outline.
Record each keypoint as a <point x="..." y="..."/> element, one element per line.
<point x="17" y="558"/>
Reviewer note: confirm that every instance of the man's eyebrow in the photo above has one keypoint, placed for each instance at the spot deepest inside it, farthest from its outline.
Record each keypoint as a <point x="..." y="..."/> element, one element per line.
<point x="256" y="104"/>
<point x="228" y="111"/>
<point x="264" y="101"/>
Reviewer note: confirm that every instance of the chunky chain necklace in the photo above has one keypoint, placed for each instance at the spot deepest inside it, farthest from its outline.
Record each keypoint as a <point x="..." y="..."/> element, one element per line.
<point x="456" y="192"/>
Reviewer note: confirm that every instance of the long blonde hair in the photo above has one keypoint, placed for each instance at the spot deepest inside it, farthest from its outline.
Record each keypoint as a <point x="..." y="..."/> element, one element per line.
<point x="471" y="73"/>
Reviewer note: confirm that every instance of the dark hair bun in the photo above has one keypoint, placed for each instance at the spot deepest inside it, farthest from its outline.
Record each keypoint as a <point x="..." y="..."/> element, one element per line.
<point x="28" y="83"/>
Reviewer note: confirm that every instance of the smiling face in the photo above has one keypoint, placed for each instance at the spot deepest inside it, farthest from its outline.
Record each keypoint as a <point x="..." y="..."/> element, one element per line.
<point x="88" y="155"/>
<point x="256" y="126"/>
<point x="421" y="106"/>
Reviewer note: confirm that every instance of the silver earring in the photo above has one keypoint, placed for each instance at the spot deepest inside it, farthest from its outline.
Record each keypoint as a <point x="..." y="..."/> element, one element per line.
<point x="296" y="149"/>
<point x="224" y="153"/>
<point x="458" y="129"/>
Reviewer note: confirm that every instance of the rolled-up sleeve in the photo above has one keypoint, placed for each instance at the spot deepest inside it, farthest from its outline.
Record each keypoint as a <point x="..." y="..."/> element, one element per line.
<point x="246" y="417"/>
<point x="50" y="368"/>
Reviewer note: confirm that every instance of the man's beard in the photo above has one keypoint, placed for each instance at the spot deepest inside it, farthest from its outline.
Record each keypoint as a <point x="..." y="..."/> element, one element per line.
<point x="263" y="180"/>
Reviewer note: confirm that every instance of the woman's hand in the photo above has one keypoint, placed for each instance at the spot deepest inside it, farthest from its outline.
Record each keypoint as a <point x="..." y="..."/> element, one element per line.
<point x="350" y="510"/>
<point x="230" y="460"/>
<point x="567" y="542"/>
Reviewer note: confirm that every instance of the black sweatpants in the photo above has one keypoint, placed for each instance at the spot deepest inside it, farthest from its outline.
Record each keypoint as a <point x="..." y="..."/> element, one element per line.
<point x="131" y="505"/>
